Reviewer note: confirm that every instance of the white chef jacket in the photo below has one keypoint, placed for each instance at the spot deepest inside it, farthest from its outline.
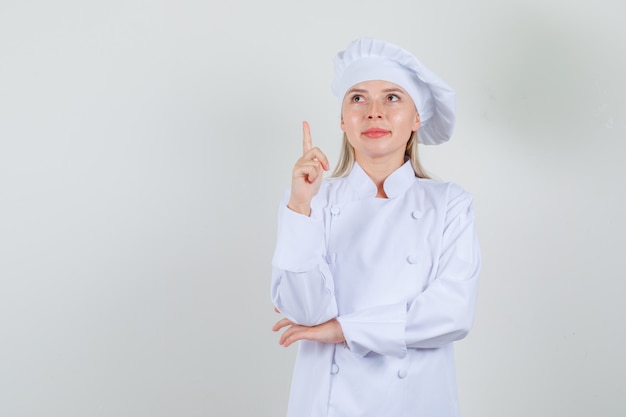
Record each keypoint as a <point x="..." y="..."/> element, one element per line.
<point x="399" y="274"/>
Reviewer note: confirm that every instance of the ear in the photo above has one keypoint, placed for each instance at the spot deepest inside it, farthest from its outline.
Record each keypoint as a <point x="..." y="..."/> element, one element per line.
<point x="417" y="123"/>
<point x="342" y="125"/>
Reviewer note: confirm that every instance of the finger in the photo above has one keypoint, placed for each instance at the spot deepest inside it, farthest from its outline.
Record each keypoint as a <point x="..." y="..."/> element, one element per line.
<point x="285" y="336"/>
<point x="292" y="335"/>
<point x="280" y="324"/>
<point x="276" y="310"/>
<point x="313" y="175"/>
<point x="293" y="339"/>
<point x="317" y="155"/>
<point x="309" y="170"/>
<point x="307" y="141"/>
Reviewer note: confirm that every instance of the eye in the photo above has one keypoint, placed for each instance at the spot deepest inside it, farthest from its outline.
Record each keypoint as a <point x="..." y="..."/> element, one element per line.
<point x="357" y="98"/>
<point x="392" y="97"/>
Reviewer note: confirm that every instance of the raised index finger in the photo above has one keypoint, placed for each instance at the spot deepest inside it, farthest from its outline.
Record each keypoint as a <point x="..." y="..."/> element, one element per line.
<point x="307" y="142"/>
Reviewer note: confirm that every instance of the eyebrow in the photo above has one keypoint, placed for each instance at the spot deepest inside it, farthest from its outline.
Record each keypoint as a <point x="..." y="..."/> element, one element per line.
<point x="386" y="90"/>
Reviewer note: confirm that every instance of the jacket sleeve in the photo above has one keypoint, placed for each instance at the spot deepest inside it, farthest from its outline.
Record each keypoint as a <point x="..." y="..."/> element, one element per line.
<point x="302" y="286"/>
<point x="444" y="311"/>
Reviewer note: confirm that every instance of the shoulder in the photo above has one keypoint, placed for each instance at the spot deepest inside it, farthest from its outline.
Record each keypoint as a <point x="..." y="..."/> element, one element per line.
<point x="444" y="188"/>
<point x="447" y="196"/>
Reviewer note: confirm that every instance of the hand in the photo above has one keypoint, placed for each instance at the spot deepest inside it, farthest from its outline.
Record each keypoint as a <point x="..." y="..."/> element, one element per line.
<point x="307" y="174"/>
<point x="329" y="332"/>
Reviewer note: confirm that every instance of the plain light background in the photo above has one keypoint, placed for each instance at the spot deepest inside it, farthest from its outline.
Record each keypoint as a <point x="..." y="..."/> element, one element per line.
<point x="144" y="146"/>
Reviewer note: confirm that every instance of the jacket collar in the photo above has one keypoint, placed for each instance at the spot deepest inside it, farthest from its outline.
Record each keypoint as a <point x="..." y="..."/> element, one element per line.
<point x="395" y="184"/>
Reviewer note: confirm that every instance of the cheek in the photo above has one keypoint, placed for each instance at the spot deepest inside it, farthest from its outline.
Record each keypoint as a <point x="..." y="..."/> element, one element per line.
<point x="351" y="141"/>
<point x="411" y="122"/>
<point x="348" y="122"/>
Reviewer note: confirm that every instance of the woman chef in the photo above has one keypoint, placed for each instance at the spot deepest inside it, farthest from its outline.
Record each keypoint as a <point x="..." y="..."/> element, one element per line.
<point x="375" y="270"/>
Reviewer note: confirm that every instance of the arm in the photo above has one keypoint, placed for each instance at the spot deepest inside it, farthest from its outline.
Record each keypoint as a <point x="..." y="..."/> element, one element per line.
<point x="443" y="312"/>
<point x="302" y="285"/>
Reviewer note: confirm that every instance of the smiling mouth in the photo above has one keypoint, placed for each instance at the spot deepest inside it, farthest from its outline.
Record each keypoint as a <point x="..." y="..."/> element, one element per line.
<point x="375" y="133"/>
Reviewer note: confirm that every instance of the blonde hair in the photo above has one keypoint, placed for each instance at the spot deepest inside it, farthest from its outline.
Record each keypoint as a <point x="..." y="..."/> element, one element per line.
<point x="346" y="157"/>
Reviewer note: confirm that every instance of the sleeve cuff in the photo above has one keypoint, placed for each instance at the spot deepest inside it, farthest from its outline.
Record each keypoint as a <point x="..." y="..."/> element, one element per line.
<point x="378" y="329"/>
<point x="300" y="241"/>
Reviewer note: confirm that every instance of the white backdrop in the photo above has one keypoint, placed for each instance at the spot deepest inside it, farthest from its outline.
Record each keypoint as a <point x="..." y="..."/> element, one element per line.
<point x="144" y="146"/>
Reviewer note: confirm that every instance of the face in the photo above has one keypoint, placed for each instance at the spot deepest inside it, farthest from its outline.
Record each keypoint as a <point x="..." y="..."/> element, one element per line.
<point x="378" y="118"/>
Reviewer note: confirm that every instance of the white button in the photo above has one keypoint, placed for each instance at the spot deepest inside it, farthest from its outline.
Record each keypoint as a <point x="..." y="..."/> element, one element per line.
<point x="416" y="214"/>
<point x="334" y="369"/>
<point x="402" y="373"/>
<point x="412" y="259"/>
<point x="335" y="210"/>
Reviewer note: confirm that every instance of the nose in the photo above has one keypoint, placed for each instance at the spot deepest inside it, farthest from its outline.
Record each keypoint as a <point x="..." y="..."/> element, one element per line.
<point x="375" y="111"/>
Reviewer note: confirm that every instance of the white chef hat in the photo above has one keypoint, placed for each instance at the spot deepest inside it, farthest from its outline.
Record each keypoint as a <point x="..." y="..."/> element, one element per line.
<point x="368" y="59"/>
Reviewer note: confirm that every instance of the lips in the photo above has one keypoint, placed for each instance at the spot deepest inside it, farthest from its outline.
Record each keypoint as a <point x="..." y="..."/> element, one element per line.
<point x="375" y="132"/>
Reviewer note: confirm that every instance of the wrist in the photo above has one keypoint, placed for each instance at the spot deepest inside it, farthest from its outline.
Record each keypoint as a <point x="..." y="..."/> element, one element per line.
<point x="304" y="209"/>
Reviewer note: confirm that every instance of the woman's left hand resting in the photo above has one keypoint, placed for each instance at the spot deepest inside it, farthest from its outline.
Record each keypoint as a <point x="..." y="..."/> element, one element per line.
<point x="329" y="332"/>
